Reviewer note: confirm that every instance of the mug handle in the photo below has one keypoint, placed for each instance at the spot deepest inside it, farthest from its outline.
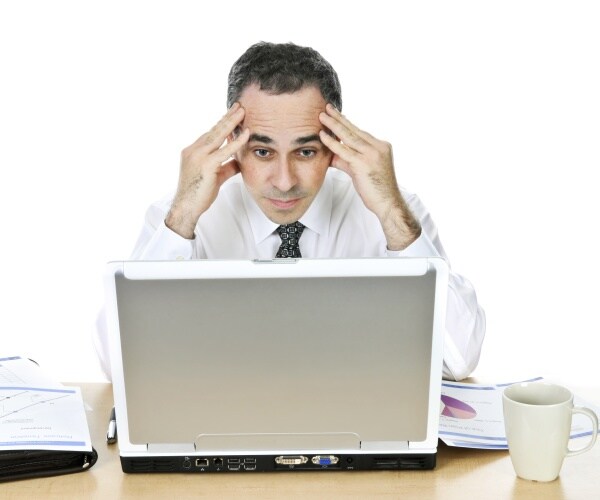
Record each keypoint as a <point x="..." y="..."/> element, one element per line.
<point x="589" y="413"/>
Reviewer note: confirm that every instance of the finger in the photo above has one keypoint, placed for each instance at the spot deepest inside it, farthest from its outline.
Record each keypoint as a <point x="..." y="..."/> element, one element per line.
<point x="334" y="113"/>
<point x="225" y="126"/>
<point x="344" y="152"/>
<point x="344" y="166"/>
<point x="232" y="147"/>
<point x="346" y="135"/>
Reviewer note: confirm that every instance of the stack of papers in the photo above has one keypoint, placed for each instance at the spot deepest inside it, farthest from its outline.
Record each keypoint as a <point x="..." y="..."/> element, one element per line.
<point x="471" y="416"/>
<point x="37" y="413"/>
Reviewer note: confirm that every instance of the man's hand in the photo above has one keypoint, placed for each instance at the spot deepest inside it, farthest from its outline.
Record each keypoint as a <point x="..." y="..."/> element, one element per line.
<point x="203" y="171"/>
<point x="369" y="162"/>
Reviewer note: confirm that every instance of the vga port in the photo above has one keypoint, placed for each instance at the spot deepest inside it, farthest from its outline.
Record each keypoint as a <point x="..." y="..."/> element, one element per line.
<point x="325" y="460"/>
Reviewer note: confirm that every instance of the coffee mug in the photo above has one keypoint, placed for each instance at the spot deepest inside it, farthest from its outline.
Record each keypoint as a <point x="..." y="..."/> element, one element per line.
<point x="537" y="419"/>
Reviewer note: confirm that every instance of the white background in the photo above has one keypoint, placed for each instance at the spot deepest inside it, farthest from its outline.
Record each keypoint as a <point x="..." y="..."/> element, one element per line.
<point x="493" y="109"/>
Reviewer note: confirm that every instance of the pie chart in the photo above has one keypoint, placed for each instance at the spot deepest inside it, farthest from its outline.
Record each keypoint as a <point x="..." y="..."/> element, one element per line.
<point x="457" y="409"/>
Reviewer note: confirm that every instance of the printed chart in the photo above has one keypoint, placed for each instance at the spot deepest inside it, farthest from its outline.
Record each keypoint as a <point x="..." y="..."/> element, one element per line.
<point x="457" y="409"/>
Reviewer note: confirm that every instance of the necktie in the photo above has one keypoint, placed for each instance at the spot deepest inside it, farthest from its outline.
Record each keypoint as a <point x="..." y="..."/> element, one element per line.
<point x="290" y="236"/>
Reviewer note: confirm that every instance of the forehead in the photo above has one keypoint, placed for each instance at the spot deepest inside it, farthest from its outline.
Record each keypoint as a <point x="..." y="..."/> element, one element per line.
<point x="279" y="116"/>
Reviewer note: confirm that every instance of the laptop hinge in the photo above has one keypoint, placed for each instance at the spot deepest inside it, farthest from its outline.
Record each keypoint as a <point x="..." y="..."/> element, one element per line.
<point x="384" y="445"/>
<point x="175" y="448"/>
<point x="275" y="261"/>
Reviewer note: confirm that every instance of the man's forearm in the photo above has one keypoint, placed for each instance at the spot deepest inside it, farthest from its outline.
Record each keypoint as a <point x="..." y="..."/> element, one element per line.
<point x="400" y="227"/>
<point x="181" y="221"/>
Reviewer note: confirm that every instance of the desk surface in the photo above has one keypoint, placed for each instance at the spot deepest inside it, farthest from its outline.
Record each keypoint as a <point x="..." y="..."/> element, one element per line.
<point x="460" y="473"/>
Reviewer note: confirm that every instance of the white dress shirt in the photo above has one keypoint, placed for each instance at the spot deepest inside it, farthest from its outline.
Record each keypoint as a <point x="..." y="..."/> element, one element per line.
<point x="337" y="224"/>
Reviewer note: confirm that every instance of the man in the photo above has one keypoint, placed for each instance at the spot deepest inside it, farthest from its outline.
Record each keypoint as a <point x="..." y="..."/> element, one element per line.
<point x="312" y="184"/>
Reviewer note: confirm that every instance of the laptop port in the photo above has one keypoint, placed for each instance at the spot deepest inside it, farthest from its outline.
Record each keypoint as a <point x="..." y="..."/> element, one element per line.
<point x="202" y="462"/>
<point x="325" y="460"/>
<point x="386" y="463"/>
<point x="218" y="462"/>
<point x="233" y="463"/>
<point x="249" y="463"/>
<point x="291" y="460"/>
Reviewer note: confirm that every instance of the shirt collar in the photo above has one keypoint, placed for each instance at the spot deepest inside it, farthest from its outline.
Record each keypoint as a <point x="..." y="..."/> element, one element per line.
<point x="316" y="218"/>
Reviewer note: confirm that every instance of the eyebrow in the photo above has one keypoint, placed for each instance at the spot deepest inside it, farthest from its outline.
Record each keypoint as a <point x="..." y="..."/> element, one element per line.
<point x="260" y="138"/>
<point x="300" y="140"/>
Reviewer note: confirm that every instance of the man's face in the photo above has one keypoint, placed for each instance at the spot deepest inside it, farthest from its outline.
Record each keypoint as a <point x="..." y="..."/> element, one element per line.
<point x="284" y="162"/>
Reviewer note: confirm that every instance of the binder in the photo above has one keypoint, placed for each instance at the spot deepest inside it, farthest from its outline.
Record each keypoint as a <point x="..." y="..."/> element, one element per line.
<point x="43" y="426"/>
<point x="24" y="464"/>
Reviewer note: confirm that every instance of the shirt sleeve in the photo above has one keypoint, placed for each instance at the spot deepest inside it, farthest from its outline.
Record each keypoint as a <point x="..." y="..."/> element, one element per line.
<point x="157" y="242"/>
<point x="465" y="318"/>
<point x="421" y="247"/>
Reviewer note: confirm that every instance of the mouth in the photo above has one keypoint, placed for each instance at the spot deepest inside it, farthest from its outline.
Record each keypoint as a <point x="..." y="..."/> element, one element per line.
<point x="284" y="204"/>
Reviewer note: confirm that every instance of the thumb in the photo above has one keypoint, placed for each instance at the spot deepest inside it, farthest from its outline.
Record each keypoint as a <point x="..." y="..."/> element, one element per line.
<point x="340" y="164"/>
<point x="227" y="170"/>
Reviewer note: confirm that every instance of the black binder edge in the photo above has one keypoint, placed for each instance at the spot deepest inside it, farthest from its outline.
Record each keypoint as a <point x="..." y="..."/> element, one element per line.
<point x="26" y="464"/>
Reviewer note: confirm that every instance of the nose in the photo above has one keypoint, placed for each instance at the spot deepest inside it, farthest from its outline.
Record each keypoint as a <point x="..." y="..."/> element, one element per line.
<point x="283" y="177"/>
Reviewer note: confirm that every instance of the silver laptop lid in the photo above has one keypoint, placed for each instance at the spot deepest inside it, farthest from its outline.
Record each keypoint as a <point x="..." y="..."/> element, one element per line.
<point x="308" y="354"/>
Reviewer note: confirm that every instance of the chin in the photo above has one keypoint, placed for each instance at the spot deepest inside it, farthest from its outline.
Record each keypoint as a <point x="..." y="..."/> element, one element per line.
<point x="283" y="217"/>
<point x="284" y="220"/>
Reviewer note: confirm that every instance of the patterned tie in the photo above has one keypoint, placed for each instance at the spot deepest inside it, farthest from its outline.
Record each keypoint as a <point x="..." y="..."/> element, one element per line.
<point x="290" y="237"/>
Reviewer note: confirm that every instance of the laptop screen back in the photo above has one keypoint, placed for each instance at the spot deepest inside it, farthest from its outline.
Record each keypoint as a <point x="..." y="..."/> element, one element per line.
<point x="208" y="359"/>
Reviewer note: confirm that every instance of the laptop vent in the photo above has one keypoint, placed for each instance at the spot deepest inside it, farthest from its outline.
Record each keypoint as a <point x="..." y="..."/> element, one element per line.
<point x="399" y="462"/>
<point x="413" y="463"/>
<point x="155" y="465"/>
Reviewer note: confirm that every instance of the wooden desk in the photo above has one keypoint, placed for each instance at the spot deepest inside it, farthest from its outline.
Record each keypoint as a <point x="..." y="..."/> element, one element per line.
<point x="460" y="474"/>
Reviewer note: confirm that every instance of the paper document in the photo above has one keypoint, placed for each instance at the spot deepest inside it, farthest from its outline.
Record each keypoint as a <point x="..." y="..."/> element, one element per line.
<point x="37" y="413"/>
<point x="19" y="372"/>
<point x="471" y="416"/>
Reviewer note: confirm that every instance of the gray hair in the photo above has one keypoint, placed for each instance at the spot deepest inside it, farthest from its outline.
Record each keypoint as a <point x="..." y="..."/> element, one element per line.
<point x="281" y="69"/>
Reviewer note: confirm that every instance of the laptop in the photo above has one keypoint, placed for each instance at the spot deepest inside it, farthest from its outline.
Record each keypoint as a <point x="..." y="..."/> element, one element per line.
<point x="278" y="365"/>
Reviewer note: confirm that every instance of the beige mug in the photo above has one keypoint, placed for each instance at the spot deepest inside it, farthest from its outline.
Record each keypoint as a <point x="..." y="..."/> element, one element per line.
<point x="537" y="419"/>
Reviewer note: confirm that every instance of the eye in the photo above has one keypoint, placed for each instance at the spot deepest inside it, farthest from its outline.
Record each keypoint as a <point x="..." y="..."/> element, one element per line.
<point x="307" y="153"/>
<point x="261" y="153"/>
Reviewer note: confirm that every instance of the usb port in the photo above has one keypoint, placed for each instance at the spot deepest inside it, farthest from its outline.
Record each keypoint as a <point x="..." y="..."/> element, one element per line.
<point x="234" y="463"/>
<point x="249" y="463"/>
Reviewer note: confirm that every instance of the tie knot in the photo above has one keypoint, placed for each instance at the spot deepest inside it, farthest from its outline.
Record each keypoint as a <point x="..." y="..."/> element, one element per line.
<point x="290" y="237"/>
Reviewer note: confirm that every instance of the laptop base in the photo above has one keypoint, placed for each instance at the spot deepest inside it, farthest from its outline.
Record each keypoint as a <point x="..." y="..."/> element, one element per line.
<point x="274" y="463"/>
